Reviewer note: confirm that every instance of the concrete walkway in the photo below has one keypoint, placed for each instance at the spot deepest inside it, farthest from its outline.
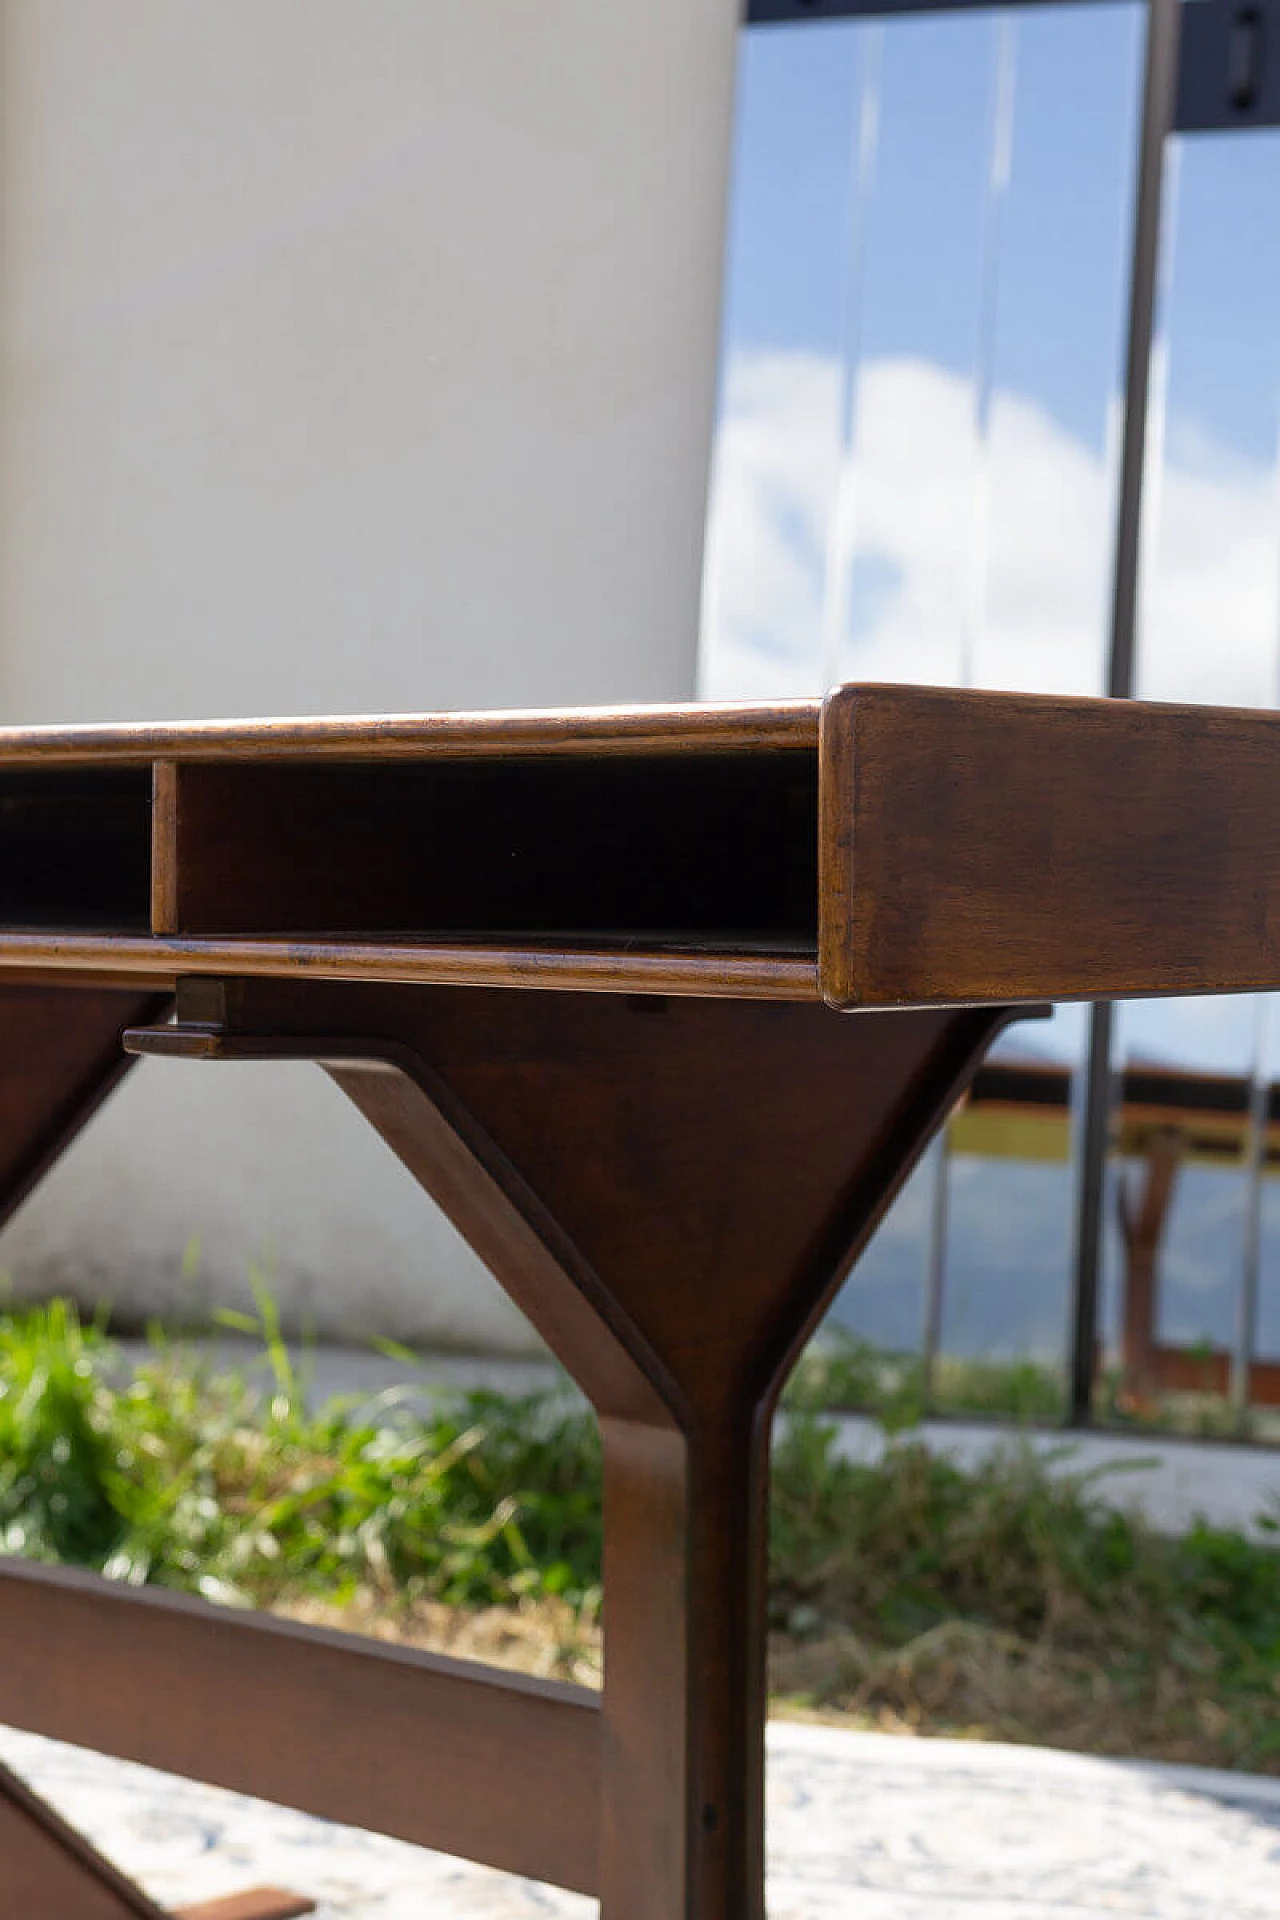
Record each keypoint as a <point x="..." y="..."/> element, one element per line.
<point x="861" y="1827"/>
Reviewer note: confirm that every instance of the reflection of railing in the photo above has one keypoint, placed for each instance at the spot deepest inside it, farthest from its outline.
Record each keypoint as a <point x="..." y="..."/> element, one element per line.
<point x="1164" y="1117"/>
<point x="1209" y="66"/>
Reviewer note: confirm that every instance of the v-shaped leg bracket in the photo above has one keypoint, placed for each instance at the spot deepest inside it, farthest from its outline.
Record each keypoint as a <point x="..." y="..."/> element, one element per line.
<point x="672" y="1190"/>
<point x="50" y="1872"/>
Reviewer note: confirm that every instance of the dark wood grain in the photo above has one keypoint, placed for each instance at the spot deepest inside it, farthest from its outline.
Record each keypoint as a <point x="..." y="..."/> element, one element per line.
<point x="672" y="1189"/>
<point x="990" y="847"/>
<point x="701" y="969"/>
<point x="256" y="1903"/>
<point x="703" y="728"/>
<point x="713" y="848"/>
<point x="971" y="848"/>
<point x="670" y="1167"/>
<point x="442" y="1753"/>
<point x="60" y="1056"/>
<point x="48" y="1871"/>
<point x="164" y="848"/>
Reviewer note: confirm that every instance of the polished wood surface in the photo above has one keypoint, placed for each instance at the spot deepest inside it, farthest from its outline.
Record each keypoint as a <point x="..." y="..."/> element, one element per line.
<point x="571" y="967"/>
<point x="702" y="972"/>
<point x="48" y="1871"/>
<point x="330" y="1724"/>
<point x="704" y="728"/>
<point x="60" y="1056"/>
<point x="917" y="846"/>
<point x="995" y="846"/>
<point x="672" y="1190"/>
<point x="256" y="1903"/>
<point x="164" y="911"/>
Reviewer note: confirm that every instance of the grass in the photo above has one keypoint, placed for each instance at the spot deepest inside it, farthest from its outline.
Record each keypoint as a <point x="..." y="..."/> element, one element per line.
<point x="1008" y="1601"/>
<point x="1005" y="1601"/>
<point x="841" y="1372"/>
<point x="206" y="1483"/>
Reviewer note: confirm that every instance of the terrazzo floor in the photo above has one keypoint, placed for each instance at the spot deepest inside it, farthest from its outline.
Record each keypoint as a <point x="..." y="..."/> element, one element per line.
<point x="860" y="1825"/>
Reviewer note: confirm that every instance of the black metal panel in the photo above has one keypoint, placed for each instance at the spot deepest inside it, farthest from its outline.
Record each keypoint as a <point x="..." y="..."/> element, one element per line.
<point x="1229" y="73"/>
<point x="1009" y="1081"/>
<point x="781" y="13"/>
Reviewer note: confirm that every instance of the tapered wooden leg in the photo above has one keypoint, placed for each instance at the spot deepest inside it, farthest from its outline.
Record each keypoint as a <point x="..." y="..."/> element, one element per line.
<point x="61" y="1053"/>
<point x="672" y="1190"/>
<point x="61" y="1056"/>
<point x="682" y="1816"/>
<point x="48" y="1871"/>
<point x="255" y="1903"/>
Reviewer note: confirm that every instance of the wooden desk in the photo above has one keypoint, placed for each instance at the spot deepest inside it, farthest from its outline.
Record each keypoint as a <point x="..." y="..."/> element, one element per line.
<point x="661" y="1007"/>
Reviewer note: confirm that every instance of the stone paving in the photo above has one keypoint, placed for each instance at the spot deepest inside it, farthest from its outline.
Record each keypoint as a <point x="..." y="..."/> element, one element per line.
<point x="860" y="1825"/>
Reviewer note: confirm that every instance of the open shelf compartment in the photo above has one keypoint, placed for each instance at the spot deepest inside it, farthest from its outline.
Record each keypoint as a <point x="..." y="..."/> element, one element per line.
<point x="75" y="849"/>
<point x="664" y="848"/>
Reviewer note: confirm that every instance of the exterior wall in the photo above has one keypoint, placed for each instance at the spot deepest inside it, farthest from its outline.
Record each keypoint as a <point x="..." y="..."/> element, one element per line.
<point x="352" y="358"/>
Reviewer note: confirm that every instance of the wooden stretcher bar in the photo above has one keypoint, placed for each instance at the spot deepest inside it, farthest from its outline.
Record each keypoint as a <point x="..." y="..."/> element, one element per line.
<point x="310" y="1719"/>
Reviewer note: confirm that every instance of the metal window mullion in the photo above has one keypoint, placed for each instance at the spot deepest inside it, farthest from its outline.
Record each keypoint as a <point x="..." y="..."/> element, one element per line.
<point x="1160" y="80"/>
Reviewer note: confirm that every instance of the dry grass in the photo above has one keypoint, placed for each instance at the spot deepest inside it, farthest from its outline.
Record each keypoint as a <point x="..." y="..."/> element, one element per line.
<point x="959" y="1678"/>
<point x="1007" y="1602"/>
<point x="547" y="1638"/>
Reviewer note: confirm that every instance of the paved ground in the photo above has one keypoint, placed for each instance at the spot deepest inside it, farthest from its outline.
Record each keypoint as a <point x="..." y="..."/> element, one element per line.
<point x="860" y="1825"/>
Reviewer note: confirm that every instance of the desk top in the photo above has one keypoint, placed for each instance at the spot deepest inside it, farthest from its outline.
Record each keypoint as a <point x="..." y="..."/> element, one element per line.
<point x="891" y="846"/>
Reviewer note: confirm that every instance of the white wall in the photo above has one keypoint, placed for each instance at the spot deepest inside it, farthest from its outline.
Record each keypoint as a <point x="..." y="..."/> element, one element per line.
<point x="355" y="355"/>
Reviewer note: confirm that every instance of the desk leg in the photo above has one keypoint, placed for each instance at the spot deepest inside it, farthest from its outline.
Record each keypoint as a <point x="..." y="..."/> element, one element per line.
<point x="60" y="1057"/>
<point x="682" y="1816"/>
<point x="672" y="1190"/>
<point x="48" y="1871"/>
